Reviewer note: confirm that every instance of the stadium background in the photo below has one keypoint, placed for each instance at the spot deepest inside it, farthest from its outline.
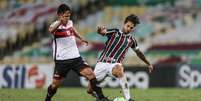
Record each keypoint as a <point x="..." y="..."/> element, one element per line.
<point x="169" y="35"/>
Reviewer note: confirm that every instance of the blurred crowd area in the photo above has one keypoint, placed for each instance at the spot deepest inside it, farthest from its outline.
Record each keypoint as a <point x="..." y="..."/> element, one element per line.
<point x="169" y="32"/>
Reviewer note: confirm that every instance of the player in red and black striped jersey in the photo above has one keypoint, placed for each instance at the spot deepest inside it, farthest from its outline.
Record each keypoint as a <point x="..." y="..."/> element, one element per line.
<point x="109" y="62"/>
<point x="66" y="54"/>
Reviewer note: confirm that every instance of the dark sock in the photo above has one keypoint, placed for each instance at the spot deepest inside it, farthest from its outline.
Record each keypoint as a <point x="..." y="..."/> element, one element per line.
<point x="96" y="89"/>
<point x="51" y="92"/>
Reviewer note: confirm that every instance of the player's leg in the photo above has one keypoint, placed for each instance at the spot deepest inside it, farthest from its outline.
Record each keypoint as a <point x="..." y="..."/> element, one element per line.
<point x="85" y="70"/>
<point x="100" y="72"/>
<point x="88" y="73"/>
<point x="60" y="72"/>
<point x="52" y="89"/>
<point x="118" y="71"/>
<point x="90" y="90"/>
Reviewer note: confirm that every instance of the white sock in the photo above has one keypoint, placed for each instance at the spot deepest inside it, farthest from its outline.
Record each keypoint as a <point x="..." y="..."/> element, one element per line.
<point x="125" y="88"/>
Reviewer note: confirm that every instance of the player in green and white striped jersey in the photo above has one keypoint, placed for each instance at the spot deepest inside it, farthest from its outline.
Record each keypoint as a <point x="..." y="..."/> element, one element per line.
<point x="109" y="62"/>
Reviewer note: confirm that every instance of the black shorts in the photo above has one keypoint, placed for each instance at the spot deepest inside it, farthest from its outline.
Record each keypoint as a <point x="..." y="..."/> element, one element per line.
<point x="62" y="67"/>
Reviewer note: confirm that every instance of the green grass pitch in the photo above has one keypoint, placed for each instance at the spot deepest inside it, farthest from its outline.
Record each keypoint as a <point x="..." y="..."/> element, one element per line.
<point x="79" y="94"/>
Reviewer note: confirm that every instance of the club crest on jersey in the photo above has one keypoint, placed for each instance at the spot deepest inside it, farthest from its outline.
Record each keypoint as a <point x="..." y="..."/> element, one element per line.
<point x="68" y="33"/>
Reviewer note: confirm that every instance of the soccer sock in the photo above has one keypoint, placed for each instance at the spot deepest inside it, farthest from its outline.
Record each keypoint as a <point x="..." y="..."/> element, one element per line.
<point x="51" y="92"/>
<point x="125" y="88"/>
<point x="96" y="89"/>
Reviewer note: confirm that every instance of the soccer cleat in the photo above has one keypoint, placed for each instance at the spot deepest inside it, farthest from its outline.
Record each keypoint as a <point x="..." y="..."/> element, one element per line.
<point x="95" y="96"/>
<point x="131" y="100"/>
<point x="103" y="99"/>
<point x="92" y="94"/>
<point x="48" y="98"/>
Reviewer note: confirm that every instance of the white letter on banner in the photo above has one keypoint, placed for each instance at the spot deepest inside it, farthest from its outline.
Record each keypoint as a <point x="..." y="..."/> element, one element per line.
<point x="184" y="72"/>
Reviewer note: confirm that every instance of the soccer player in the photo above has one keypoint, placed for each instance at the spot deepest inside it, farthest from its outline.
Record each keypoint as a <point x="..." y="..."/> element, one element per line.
<point x="66" y="55"/>
<point x="116" y="46"/>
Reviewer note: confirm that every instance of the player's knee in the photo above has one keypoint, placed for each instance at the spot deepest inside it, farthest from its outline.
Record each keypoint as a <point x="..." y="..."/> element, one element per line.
<point x="118" y="71"/>
<point x="88" y="73"/>
<point x="120" y="74"/>
<point x="55" y="85"/>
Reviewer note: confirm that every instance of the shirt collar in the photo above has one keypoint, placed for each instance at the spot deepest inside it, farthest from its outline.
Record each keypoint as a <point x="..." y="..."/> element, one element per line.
<point x="123" y="33"/>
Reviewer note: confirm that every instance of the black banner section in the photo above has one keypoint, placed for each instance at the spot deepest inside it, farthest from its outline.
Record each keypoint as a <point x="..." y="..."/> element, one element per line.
<point x="163" y="76"/>
<point x="184" y="76"/>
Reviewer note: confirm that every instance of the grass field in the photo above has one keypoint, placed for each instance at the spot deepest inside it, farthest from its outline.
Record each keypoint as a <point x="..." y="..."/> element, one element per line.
<point x="79" y="94"/>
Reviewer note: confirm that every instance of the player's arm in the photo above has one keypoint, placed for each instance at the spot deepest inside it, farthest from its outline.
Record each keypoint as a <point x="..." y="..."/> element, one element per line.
<point x="53" y="27"/>
<point x="79" y="36"/>
<point x="103" y="31"/>
<point x="141" y="55"/>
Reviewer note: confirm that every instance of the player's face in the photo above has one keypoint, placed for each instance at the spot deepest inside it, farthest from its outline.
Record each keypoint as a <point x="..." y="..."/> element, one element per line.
<point x="65" y="16"/>
<point x="128" y="27"/>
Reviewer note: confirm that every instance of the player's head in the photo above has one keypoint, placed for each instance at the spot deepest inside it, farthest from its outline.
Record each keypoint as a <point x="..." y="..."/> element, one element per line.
<point x="130" y="22"/>
<point x="64" y="11"/>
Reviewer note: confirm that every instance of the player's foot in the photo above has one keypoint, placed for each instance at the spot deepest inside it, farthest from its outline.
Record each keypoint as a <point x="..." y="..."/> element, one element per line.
<point x="48" y="98"/>
<point x="131" y="100"/>
<point x="92" y="94"/>
<point x="103" y="99"/>
<point x="97" y="99"/>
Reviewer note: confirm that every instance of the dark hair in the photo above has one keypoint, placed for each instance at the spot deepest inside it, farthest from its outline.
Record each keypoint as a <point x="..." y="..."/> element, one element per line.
<point x="132" y="18"/>
<point x="62" y="8"/>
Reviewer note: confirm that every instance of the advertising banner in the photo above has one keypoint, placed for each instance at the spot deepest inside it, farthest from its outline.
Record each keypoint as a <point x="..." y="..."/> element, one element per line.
<point x="188" y="76"/>
<point x="168" y="75"/>
<point x="40" y="76"/>
<point x="138" y="77"/>
<point x="26" y="75"/>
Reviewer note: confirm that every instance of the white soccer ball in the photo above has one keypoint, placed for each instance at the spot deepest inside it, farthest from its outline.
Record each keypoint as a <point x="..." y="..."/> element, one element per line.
<point x="119" y="99"/>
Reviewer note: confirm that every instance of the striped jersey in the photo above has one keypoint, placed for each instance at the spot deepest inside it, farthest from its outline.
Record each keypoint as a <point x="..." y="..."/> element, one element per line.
<point x="64" y="45"/>
<point x="116" y="46"/>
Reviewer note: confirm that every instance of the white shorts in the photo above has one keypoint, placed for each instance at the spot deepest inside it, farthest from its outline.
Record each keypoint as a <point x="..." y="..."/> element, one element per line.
<point x="102" y="70"/>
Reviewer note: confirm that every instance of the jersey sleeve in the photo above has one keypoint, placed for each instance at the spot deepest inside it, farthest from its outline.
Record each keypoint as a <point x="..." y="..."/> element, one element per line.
<point x="134" y="43"/>
<point x="71" y="23"/>
<point x="110" y="32"/>
<point x="55" y="22"/>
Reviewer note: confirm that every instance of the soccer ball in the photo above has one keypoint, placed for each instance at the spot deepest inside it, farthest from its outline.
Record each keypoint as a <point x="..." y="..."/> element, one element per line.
<point x="119" y="99"/>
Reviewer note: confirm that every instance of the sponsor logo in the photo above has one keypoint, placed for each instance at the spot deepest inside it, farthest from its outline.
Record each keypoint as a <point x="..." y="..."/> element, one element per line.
<point x="36" y="77"/>
<point x="138" y="79"/>
<point x="189" y="78"/>
<point x="21" y="76"/>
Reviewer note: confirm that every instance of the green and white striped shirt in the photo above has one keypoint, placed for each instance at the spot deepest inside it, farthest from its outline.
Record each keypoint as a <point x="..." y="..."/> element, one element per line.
<point x="116" y="46"/>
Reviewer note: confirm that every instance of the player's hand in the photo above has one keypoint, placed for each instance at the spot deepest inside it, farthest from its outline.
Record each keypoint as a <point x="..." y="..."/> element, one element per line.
<point x="150" y="67"/>
<point x="63" y="19"/>
<point x="102" y="30"/>
<point x="84" y="41"/>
